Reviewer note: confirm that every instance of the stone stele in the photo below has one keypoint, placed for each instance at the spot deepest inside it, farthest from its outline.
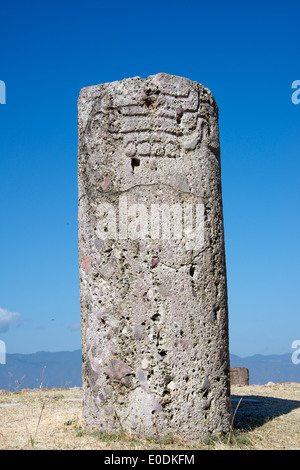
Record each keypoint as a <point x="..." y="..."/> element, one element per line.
<point x="239" y="376"/>
<point x="153" y="290"/>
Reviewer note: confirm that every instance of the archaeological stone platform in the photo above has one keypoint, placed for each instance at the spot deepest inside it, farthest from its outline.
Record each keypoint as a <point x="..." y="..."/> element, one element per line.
<point x="153" y="291"/>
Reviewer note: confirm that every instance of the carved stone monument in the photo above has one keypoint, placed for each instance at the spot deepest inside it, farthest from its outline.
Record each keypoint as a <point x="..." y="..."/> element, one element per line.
<point x="239" y="376"/>
<point x="151" y="258"/>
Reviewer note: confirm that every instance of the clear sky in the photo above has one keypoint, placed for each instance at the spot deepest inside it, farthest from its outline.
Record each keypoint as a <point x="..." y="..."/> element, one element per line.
<point x="247" y="53"/>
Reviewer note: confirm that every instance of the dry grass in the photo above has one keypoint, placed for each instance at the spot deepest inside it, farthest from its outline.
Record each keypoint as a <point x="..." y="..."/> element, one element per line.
<point x="268" y="417"/>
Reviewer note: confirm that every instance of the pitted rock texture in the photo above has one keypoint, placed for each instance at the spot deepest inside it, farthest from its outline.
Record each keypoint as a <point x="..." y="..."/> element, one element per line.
<point x="153" y="294"/>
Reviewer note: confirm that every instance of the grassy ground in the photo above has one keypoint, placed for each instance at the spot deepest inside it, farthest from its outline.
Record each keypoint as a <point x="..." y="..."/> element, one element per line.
<point x="267" y="417"/>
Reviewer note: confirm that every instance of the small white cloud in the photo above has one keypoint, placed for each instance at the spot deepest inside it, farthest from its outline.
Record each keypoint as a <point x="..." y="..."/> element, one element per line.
<point x="75" y="327"/>
<point x="7" y="318"/>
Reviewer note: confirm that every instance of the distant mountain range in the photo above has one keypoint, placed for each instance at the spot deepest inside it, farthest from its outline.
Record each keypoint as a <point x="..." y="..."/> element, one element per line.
<point x="41" y="370"/>
<point x="264" y="369"/>
<point x="63" y="369"/>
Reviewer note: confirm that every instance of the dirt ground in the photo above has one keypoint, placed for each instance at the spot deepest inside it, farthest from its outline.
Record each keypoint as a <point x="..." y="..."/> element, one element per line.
<point x="267" y="417"/>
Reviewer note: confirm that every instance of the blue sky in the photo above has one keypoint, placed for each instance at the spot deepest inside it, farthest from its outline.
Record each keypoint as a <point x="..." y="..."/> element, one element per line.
<point x="247" y="53"/>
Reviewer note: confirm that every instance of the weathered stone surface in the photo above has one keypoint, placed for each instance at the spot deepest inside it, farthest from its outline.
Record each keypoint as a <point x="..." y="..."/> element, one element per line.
<point x="239" y="376"/>
<point x="151" y="258"/>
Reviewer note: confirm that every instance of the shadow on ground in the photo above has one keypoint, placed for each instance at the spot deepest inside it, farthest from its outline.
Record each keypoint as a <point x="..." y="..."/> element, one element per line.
<point x="255" y="410"/>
